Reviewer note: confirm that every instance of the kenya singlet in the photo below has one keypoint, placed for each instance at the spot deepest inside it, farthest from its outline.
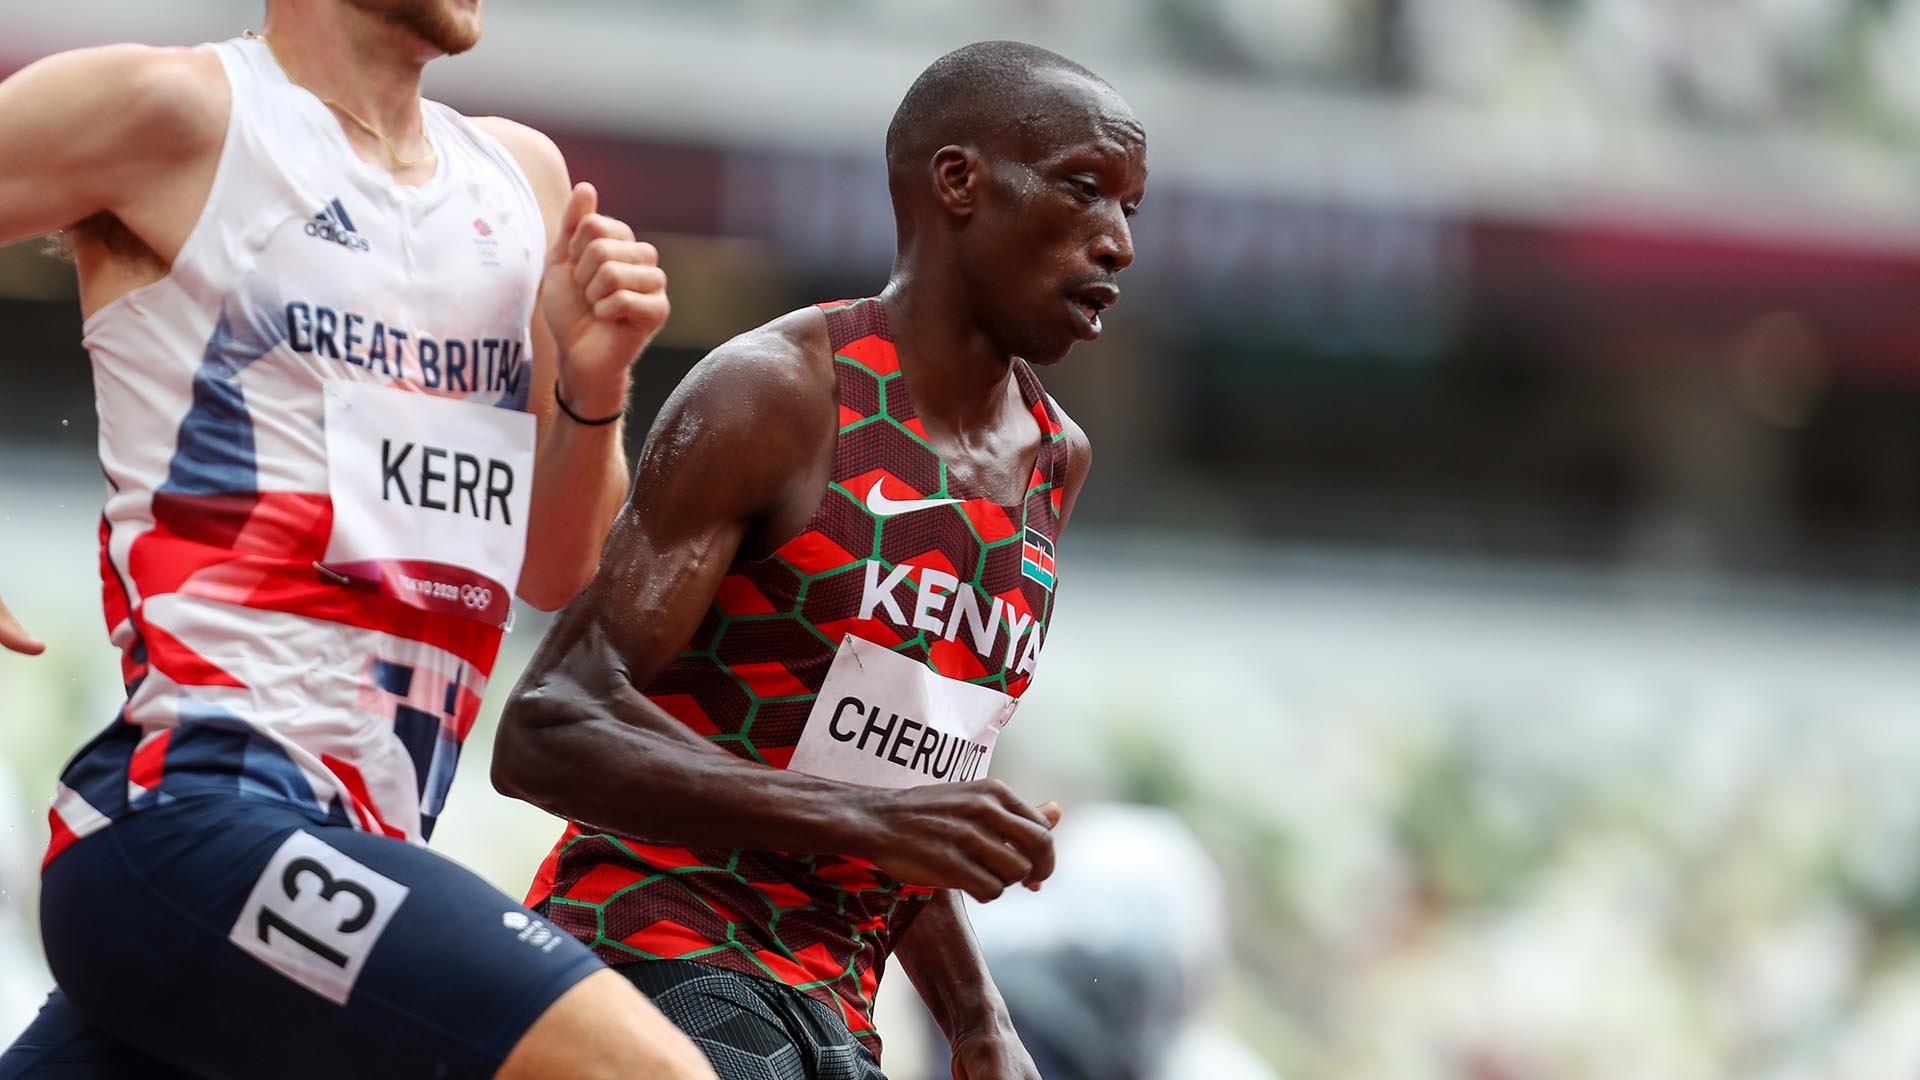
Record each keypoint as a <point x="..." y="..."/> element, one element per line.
<point x="319" y="463"/>
<point x="885" y="645"/>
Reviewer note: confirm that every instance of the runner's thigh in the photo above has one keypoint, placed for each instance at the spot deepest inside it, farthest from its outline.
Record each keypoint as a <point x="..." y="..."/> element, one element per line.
<point x="61" y="1045"/>
<point x="239" y="937"/>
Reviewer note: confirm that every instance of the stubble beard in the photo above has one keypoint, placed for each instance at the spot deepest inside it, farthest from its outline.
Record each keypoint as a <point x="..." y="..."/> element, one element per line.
<point x="432" y="21"/>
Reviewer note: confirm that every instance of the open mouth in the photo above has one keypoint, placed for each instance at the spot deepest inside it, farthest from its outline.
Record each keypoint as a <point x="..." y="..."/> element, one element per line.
<point x="1089" y="301"/>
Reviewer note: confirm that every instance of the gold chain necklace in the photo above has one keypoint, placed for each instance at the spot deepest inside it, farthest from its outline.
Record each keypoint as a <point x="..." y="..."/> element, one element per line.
<point x="403" y="163"/>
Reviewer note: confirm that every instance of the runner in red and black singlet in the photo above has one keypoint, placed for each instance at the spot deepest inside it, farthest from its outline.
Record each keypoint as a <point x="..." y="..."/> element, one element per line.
<point x="772" y="717"/>
<point x="898" y="555"/>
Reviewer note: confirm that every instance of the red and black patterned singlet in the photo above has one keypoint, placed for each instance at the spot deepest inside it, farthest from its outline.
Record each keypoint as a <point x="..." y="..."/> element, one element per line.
<point x="748" y="681"/>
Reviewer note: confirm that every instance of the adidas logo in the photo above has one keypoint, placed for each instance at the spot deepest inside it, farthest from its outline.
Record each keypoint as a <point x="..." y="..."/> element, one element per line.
<point x="333" y="224"/>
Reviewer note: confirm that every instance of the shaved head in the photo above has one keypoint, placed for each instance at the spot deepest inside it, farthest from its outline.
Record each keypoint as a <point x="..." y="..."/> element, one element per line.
<point x="984" y="93"/>
<point x="1013" y="171"/>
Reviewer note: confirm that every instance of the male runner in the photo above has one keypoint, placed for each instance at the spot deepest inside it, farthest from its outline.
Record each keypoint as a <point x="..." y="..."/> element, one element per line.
<point x="771" y="714"/>
<point x="329" y="429"/>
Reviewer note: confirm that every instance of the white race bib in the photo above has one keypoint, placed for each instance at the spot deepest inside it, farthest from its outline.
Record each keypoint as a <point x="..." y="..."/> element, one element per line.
<point x="886" y="720"/>
<point x="430" y="498"/>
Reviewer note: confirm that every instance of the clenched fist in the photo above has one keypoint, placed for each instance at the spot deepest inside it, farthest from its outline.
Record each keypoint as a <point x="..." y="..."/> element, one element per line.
<point x="978" y="837"/>
<point x="604" y="296"/>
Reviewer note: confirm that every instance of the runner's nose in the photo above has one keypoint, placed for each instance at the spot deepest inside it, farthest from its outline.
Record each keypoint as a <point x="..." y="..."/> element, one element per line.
<point x="1113" y="248"/>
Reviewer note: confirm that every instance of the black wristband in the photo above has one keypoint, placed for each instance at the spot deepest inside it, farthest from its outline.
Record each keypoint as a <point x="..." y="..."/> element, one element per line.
<point x="576" y="417"/>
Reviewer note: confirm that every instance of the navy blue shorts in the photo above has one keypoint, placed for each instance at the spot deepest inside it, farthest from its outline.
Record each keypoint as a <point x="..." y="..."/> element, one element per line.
<point x="231" y="936"/>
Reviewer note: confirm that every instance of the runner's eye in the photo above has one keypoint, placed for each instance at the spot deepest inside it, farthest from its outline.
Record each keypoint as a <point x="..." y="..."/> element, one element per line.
<point x="1084" y="188"/>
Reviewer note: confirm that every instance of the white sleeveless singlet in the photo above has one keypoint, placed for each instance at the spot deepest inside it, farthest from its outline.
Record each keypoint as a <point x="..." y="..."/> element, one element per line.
<point x="319" y="460"/>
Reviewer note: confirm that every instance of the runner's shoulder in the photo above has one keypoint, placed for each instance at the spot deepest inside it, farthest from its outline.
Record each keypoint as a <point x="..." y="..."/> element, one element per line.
<point x="1079" y="447"/>
<point x="518" y="137"/>
<point x="1079" y="455"/>
<point x="750" y="415"/>
<point x="538" y="155"/>
<point x="141" y="100"/>
<point x="777" y="374"/>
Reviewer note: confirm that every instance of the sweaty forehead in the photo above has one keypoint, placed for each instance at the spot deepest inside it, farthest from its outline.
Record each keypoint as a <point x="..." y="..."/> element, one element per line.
<point x="1063" y="111"/>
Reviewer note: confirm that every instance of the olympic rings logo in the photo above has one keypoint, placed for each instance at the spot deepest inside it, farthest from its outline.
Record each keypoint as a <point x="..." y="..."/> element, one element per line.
<point x="477" y="597"/>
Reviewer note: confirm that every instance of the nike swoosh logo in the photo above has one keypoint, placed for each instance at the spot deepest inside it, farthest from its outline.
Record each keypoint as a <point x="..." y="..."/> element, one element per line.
<point x="882" y="506"/>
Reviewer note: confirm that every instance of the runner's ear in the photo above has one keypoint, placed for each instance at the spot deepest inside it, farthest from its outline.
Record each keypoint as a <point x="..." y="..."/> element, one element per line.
<point x="956" y="179"/>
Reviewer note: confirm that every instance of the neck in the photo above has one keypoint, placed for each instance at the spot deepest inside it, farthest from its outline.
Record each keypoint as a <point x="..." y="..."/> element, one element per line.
<point x="358" y="60"/>
<point x="959" y="376"/>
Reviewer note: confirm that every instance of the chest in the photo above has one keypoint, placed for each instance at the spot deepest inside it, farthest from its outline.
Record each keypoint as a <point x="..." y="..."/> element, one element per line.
<point x="463" y="263"/>
<point x="996" y="464"/>
<point x="429" y="287"/>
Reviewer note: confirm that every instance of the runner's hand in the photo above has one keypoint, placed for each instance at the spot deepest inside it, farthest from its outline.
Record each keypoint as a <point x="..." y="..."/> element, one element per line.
<point x="978" y="837"/>
<point x="994" y="1055"/>
<point x="14" y="636"/>
<point x="604" y="296"/>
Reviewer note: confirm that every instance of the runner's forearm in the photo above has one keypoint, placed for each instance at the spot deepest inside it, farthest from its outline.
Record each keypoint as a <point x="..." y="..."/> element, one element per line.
<point x="623" y="764"/>
<point x="580" y="479"/>
<point x="942" y="957"/>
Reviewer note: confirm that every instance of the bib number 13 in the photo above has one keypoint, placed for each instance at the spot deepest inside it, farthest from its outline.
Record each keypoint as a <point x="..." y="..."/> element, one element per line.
<point x="315" y="914"/>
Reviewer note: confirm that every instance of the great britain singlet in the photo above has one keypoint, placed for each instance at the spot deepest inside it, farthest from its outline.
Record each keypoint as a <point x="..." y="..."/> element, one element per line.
<point x="884" y="645"/>
<point x="319" y="458"/>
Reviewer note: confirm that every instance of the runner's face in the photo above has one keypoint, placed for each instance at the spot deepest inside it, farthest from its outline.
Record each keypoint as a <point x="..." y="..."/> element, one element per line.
<point x="451" y="26"/>
<point x="1054" y="232"/>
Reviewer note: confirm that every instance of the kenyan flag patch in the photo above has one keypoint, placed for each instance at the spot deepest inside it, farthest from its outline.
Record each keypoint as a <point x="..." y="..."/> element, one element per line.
<point x="1036" y="558"/>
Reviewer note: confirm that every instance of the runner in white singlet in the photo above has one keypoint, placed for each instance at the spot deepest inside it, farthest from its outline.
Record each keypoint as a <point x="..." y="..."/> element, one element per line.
<point x="359" y="363"/>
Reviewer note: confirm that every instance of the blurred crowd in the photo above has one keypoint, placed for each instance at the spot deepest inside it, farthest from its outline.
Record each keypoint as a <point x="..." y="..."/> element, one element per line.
<point x="1728" y="61"/>
<point x="1657" y="886"/>
<point x="1463" y="835"/>
<point x="1822" y="62"/>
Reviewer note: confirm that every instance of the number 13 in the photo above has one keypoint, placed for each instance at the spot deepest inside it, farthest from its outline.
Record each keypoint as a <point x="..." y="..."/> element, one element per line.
<point x="330" y="887"/>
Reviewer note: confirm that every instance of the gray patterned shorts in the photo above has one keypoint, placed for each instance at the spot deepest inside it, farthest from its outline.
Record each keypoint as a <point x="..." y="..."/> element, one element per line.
<point x="753" y="1029"/>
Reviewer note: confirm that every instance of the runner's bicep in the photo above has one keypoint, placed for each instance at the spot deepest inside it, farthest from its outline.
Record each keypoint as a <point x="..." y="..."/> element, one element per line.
<point x="44" y="187"/>
<point x="718" y="458"/>
<point x="81" y="131"/>
<point x="721" y="454"/>
<point x="692" y="502"/>
<point x="656" y="580"/>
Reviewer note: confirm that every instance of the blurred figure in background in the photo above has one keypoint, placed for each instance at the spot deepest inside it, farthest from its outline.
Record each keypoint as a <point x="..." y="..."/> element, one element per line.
<point x="1107" y="971"/>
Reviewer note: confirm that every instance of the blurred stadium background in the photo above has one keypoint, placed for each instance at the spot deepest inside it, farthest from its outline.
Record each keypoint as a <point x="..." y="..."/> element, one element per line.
<point x="1504" y="548"/>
